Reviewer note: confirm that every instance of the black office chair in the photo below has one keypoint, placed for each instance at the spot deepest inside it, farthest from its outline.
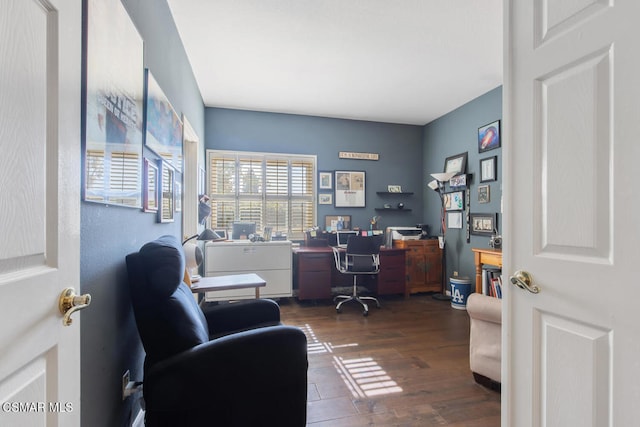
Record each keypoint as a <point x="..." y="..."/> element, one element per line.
<point x="361" y="257"/>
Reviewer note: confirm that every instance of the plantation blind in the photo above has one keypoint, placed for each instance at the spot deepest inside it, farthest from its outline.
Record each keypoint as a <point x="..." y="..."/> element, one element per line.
<point x="272" y="190"/>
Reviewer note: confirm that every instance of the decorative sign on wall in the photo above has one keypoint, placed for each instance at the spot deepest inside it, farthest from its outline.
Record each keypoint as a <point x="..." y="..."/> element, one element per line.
<point x="358" y="156"/>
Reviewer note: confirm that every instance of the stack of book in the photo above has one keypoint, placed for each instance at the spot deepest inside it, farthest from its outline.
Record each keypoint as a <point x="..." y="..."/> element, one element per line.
<point x="492" y="281"/>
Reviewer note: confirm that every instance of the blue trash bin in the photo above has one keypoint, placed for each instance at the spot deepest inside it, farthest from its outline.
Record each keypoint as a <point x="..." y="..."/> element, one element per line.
<point x="460" y="291"/>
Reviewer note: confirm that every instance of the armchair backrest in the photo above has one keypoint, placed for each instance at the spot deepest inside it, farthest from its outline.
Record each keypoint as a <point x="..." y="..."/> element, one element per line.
<point x="168" y="318"/>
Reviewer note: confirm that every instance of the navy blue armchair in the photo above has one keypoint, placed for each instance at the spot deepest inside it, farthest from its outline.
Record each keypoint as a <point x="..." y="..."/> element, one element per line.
<point x="227" y="365"/>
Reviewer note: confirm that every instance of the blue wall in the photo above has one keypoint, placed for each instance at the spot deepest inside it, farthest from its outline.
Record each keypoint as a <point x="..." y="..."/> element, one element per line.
<point x="451" y="134"/>
<point x="399" y="147"/>
<point x="109" y="338"/>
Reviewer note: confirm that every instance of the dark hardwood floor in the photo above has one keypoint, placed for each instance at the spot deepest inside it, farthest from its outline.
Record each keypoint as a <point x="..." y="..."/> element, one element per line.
<point x="406" y="364"/>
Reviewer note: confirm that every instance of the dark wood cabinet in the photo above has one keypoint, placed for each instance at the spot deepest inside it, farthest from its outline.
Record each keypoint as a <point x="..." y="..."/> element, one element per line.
<point x="423" y="265"/>
<point x="391" y="279"/>
<point x="314" y="273"/>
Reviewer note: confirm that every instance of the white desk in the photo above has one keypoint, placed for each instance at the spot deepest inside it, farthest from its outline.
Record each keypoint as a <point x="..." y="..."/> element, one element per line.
<point x="225" y="283"/>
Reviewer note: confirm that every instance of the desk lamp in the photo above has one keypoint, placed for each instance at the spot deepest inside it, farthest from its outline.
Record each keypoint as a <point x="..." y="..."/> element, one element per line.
<point x="438" y="184"/>
<point x="193" y="254"/>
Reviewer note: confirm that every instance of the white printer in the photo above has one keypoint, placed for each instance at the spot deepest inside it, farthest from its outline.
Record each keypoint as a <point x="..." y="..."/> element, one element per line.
<point x="402" y="233"/>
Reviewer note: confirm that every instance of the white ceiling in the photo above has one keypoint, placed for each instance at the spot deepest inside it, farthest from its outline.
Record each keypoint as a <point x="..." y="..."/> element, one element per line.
<point x="396" y="61"/>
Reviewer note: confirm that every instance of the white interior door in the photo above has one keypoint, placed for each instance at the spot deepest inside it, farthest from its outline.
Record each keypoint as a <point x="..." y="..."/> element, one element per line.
<point x="572" y="120"/>
<point x="40" y="47"/>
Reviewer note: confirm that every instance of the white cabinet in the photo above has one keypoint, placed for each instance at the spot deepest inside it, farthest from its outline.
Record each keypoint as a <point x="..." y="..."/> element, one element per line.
<point x="269" y="260"/>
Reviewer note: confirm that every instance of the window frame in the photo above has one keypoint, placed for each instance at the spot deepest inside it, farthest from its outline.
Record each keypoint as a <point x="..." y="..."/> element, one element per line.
<point x="269" y="192"/>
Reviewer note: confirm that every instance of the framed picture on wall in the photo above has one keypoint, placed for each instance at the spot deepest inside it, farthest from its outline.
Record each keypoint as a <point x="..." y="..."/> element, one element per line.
<point x="483" y="224"/>
<point x="454" y="219"/>
<point x="457" y="163"/>
<point x="325" y="180"/>
<point x="489" y="137"/>
<point x="150" y="196"/>
<point x="483" y="194"/>
<point x="164" y="127"/>
<point x="454" y="201"/>
<point x="350" y="189"/>
<point x="489" y="169"/>
<point x="325" y="198"/>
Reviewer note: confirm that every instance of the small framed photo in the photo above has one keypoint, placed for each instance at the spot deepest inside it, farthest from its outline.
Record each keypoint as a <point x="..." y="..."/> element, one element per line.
<point x="489" y="137"/>
<point x="325" y="180"/>
<point x="325" y="198"/>
<point x="394" y="189"/>
<point x="483" y="224"/>
<point x="484" y="195"/>
<point x="454" y="201"/>
<point x="489" y="169"/>
<point x="454" y="219"/>
<point x="457" y="163"/>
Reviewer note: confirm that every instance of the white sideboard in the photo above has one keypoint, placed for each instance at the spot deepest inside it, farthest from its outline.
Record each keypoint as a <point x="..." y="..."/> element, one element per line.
<point x="269" y="260"/>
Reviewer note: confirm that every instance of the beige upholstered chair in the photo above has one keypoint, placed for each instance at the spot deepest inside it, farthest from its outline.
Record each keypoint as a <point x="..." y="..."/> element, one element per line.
<point x="485" y="341"/>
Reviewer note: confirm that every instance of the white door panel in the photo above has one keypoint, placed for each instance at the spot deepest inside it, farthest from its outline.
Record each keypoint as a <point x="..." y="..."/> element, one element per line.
<point x="572" y="116"/>
<point x="39" y="210"/>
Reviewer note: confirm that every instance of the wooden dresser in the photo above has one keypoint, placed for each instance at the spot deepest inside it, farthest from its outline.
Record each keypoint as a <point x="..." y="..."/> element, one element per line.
<point x="423" y="265"/>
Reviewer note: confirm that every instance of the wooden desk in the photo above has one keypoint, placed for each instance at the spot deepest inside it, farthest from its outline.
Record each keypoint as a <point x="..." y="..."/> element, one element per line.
<point x="485" y="256"/>
<point x="225" y="283"/>
<point x="315" y="273"/>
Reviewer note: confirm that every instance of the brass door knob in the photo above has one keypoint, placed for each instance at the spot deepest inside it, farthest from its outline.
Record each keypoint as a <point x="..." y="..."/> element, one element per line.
<point x="524" y="280"/>
<point x="69" y="303"/>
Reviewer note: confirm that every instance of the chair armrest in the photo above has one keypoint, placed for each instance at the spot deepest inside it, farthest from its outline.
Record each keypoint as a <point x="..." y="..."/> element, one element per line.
<point x="483" y="307"/>
<point x="241" y="315"/>
<point x="262" y="366"/>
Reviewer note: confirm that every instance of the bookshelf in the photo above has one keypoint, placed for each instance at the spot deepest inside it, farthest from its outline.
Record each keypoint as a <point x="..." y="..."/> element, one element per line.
<point x="482" y="257"/>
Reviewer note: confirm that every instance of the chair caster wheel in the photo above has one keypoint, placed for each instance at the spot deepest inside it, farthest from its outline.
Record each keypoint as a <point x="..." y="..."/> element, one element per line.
<point x="365" y="313"/>
<point x="338" y="310"/>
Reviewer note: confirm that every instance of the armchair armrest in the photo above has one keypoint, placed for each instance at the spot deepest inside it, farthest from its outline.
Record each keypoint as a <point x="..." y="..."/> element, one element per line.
<point x="483" y="307"/>
<point x="247" y="378"/>
<point x="242" y="315"/>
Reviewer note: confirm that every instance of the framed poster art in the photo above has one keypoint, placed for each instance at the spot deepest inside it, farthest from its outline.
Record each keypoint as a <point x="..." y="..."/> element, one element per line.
<point x="163" y="126"/>
<point x="489" y="137"/>
<point x="114" y="107"/>
<point x="350" y="189"/>
<point x="325" y="180"/>
<point x="457" y="163"/>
